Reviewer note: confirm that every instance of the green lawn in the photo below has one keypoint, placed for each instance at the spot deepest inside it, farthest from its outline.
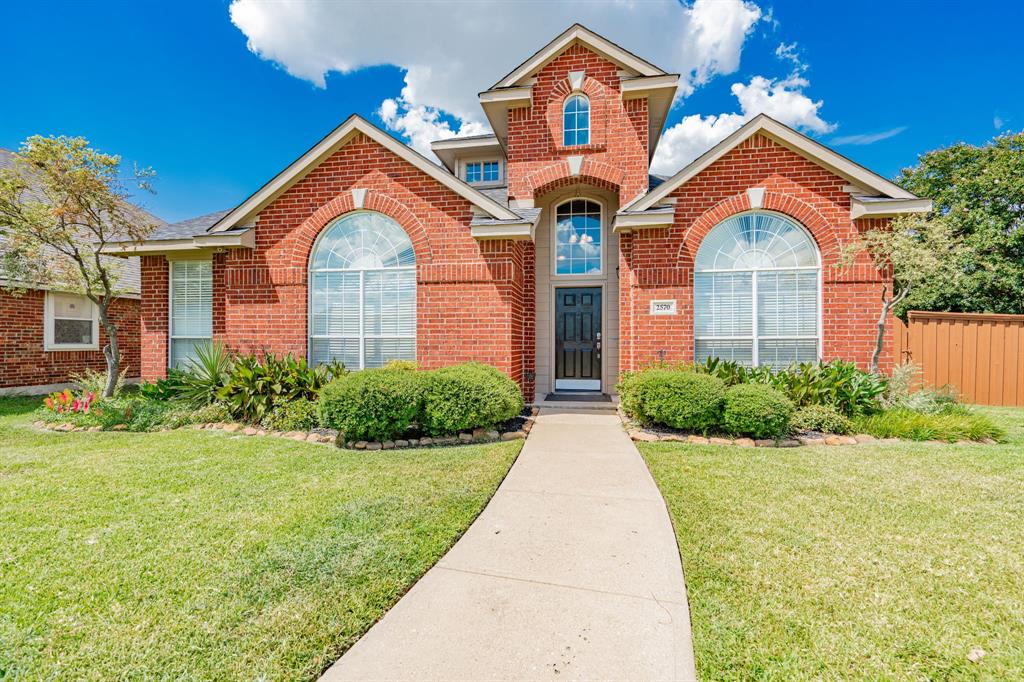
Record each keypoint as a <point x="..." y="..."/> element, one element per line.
<point x="198" y="555"/>
<point x="869" y="562"/>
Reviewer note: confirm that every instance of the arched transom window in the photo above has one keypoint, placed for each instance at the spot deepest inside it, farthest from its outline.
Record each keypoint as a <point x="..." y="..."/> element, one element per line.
<point x="578" y="238"/>
<point x="756" y="292"/>
<point x="576" y="121"/>
<point x="362" y="300"/>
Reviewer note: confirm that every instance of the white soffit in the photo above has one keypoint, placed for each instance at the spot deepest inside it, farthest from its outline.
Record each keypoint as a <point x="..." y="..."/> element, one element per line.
<point x="246" y="211"/>
<point x="787" y="137"/>
<point x="874" y="207"/>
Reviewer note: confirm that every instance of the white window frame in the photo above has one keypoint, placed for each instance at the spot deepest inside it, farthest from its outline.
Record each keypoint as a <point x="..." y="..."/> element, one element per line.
<point x="170" y="306"/>
<point x="590" y="121"/>
<point x="755" y="338"/>
<point x="554" y="240"/>
<point x="48" y="324"/>
<point x="465" y="163"/>
<point x="363" y="336"/>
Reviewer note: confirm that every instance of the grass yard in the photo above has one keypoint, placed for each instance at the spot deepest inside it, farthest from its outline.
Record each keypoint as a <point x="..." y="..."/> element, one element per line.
<point x="869" y="561"/>
<point x="197" y="555"/>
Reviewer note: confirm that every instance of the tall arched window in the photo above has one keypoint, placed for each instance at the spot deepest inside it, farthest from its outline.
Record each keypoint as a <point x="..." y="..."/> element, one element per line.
<point x="578" y="238"/>
<point x="756" y="292"/>
<point x="576" y="121"/>
<point x="362" y="293"/>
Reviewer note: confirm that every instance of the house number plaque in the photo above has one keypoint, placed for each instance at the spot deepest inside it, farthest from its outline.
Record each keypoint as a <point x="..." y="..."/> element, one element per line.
<point x="663" y="307"/>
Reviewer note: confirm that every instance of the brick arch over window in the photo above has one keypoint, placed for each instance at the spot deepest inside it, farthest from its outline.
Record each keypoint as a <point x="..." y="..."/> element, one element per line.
<point x="557" y="175"/>
<point x="305" y="235"/>
<point x="597" y="94"/>
<point x="823" y="233"/>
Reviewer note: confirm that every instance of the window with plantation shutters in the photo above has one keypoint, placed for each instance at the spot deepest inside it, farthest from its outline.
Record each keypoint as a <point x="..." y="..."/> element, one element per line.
<point x="362" y="293"/>
<point x="191" y="309"/>
<point x="757" y="292"/>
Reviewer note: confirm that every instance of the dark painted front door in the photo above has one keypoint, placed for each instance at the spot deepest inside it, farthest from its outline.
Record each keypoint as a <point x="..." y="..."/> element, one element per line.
<point x="578" y="339"/>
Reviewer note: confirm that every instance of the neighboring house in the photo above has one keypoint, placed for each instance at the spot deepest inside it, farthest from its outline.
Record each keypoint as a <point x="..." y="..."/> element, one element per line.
<point x="545" y="249"/>
<point x="47" y="335"/>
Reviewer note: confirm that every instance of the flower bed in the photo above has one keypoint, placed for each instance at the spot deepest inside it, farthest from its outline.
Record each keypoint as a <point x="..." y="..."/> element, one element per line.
<point x="721" y="403"/>
<point x="393" y="407"/>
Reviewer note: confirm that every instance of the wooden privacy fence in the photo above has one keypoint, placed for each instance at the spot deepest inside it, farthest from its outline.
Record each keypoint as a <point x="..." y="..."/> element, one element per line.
<point x="981" y="355"/>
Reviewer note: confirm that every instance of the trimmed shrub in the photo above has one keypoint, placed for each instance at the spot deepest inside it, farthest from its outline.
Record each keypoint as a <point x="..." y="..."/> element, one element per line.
<point x="374" y="404"/>
<point x="300" y="414"/>
<point x="678" y="399"/>
<point x="468" y="396"/>
<point x="949" y="426"/>
<point x="757" y="411"/>
<point x="823" y="418"/>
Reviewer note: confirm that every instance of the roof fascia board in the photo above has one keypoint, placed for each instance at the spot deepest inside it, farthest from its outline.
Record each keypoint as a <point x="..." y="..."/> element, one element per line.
<point x="643" y="86"/>
<point x="789" y="138"/>
<point x="627" y="222"/>
<point x="217" y="240"/>
<point x="887" y="209"/>
<point x="327" y="146"/>
<point x="514" y="231"/>
<point x="580" y="33"/>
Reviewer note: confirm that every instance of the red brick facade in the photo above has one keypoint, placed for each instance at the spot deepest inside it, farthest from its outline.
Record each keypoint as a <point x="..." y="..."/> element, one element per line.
<point x="470" y="294"/>
<point x="658" y="263"/>
<point x="25" y="362"/>
<point x="476" y="300"/>
<point x="615" y="159"/>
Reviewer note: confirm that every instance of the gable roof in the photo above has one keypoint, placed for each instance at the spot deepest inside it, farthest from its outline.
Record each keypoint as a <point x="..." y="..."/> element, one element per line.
<point x="801" y="144"/>
<point x="578" y="33"/>
<point x="336" y="139"/>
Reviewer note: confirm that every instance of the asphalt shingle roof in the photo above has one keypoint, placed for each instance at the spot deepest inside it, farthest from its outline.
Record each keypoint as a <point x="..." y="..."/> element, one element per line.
<point x="187" y="228"/>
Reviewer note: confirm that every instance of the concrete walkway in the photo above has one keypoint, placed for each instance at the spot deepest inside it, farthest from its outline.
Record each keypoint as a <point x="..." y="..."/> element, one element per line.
<point x="571" y="572"/>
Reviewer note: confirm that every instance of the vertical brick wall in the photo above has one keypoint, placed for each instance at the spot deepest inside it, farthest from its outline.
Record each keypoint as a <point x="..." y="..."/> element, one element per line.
<point x="658" y="263"/>
<point x="153" y="316"/>
<point x="469" y="294"/>
<point x="616" y="157"/>
<point x="23" y="360"/>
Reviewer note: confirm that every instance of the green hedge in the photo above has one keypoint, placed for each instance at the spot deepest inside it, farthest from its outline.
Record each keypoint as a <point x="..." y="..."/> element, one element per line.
<point x="374" y="404"/>
<point x="465" y="397"/>
<point x="823" y="418"/>
<point x="385" y="404"/>
<point x="679" y="399"/>
<point x="757" y="411"/>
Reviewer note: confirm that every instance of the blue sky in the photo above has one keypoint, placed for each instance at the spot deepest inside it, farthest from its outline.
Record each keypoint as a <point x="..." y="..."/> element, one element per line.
<point x="175" y="86"/>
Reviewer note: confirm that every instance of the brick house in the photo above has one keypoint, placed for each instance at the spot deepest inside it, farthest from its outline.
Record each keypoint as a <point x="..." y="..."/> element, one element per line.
<point x="546" y="249"/>
<point x="48" y="335"/>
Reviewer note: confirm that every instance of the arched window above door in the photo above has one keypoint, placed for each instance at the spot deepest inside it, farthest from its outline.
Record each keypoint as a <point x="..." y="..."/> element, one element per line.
<point x="576" y="121"/>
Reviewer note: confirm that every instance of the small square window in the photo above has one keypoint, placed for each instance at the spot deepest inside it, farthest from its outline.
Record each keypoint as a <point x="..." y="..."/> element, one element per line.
<point x="71" y="323"/>
<point x="492" y="172"/>
<point x="474" y="172"/>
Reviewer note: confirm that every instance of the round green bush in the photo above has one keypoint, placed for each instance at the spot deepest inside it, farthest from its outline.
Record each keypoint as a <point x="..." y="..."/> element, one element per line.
<point x="468" y="396"/>
<point x="678" y="399"/>
<point x="756" y="410"/>
<point x="374" y="404"/>
<point x="823" y="418"/>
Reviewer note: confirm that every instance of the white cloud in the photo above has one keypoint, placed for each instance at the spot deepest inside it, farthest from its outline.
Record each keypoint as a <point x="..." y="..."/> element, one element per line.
<point x="998" y="122"/>
<point x="867" y="138"/>
<point x="451" y="50"/>
<point x="783" y="100"/>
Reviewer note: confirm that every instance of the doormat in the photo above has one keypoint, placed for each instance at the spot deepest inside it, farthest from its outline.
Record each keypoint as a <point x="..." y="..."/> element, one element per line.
<point x="579" y="397"/>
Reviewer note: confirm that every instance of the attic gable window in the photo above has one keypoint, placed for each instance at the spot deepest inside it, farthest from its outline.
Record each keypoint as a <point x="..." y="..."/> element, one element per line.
<point x="576" y="121"/>
<point x="483" y="171"/>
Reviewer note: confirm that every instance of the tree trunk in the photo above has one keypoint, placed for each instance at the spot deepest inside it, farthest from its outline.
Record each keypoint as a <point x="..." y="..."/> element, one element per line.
<point x="111" y="353"/>
<point x="887" y="305"/>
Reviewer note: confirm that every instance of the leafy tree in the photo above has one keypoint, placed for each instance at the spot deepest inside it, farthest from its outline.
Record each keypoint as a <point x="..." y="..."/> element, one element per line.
<point x="917" y="250"/>
<point x="61" y="204"/>
<point x="978" y="192"/>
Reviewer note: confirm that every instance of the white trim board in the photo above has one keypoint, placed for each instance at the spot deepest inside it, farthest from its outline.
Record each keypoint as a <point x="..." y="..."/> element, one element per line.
<point x="247" y="210"/>
<point x="801" y="144"/>
<point x="582" y="34"/>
